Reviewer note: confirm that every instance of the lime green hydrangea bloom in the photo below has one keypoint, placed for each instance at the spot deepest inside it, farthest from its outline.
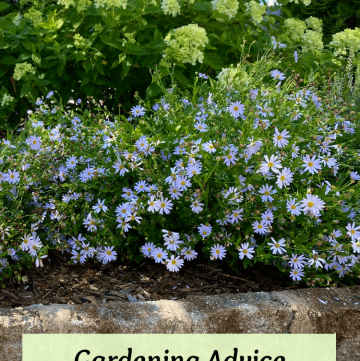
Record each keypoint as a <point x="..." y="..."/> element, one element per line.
<point x="232" y="76"/>
<point x="82" y="4"/>
<point x="66" y="3"/>
<point x="79" y="41"/>
<point x="79" y="4"/>
<point x="255" y="10"/>
<point x="349" y="39"/>
<point x="6" y="100"/>
<point x="98" y="28"/>
<point x="34" y="15"/>
<point x="311" y="40"/>
<point x="226" y="7"/>
<point x="21" y="69"/>
<point x="295" y="28"/>
<point x="314" y="23"/>
<point x="186" y="44"/>
<point x="110" y="3"/>
<point x="305" y="2"/>
<point x="170" y="7"/>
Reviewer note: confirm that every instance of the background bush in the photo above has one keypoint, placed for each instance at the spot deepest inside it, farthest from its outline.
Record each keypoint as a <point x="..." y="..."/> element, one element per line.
<point x="336" y="15"/>
<point x="108" y="51"/>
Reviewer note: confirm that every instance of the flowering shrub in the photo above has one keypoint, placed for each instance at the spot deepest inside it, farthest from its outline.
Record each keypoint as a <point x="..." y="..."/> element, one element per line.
<point x="347" y="41"/>
<point x="87" y="47"/>
<point x="261" y="171"/>
<point x="299" y="32"/>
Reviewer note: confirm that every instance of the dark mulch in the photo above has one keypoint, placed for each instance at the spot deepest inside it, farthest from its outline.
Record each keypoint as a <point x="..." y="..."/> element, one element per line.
<point x="61" y="283"/>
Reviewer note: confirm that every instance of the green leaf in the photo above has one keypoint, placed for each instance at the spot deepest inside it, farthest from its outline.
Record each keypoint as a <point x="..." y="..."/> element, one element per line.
<point x="4" y="24"/>
<point x="114" y="35"/>
<point x="158" y="38"/>
<point x="182" y="78"/>
<point x="36" y="57"/>
<point x="202" y="18"/>
<point x="202" y="6"/>
<point x="118" y="61"/>
<point x="27" y="44"/>
<point x="59" y="23"/>
<point x="88" y="64"/>
<point x="246" y="262"/>
<point x="153" y="90"/>
<point x="23" y="57"/>
<point x="4" y="44"/>
<point x="213" y="60"/>
<point x="85" y="81"/>
<point x="126" y="65"/>
<point x="149" y="60"/>
<point x="8" y="60"/>
<point x="286" y="11"/>
<point x="3" y="6"/>
<point x="89" y="89"/>
<point x="25" y="89"/>
<point x="76" y="20"/>
<point x="142" y="24"/>
<point x="80" y="56"/>
<point x="109" y="19"/>
<point x="137" y="49"/>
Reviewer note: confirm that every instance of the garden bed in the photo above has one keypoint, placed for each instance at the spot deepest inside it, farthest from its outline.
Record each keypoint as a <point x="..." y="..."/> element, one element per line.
<point x="61" y="283"/>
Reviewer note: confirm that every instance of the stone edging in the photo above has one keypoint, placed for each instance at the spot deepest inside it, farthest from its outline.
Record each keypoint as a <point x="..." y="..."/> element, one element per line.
<point x="300" y="311"/>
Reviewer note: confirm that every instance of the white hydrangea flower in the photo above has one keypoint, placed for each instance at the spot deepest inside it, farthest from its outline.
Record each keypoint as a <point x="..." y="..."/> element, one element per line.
<point x="186" y="44"/>
<point x="110" y="3"/>
<point x="170" y="7"/>
<point x="255" y="10"/>
<point x="226" y="7"/>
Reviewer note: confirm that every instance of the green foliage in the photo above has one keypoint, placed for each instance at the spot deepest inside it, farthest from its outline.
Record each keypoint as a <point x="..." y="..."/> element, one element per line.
<point x="336" y="15"/>
<point x="92" y="48"/>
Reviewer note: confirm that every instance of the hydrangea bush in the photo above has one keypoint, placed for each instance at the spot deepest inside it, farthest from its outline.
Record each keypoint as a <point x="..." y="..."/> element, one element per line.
<point x="89" y="46"/>
<point x="253" y="171"/>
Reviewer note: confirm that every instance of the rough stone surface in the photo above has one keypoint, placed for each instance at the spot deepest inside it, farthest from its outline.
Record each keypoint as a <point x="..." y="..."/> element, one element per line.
<point x="335" y="310"/>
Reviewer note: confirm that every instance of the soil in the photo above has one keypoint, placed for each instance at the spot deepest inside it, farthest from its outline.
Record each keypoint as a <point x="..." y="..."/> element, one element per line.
<point x="59" y="282"/>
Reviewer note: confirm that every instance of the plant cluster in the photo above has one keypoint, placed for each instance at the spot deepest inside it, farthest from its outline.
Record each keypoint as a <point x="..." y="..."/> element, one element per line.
<point x="258" y="170"/>
<point x="107" y="49"/>
<point x="336" y="15"/>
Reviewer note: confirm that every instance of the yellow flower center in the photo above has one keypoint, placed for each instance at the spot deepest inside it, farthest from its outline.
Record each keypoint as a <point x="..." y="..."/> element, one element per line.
<point x="310" y="204"/>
